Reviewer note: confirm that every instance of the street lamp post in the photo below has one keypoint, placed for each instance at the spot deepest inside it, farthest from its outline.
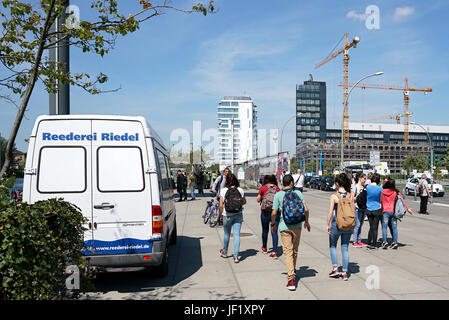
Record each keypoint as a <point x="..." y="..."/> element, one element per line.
<point x="286" y="122"/>
<point x="431" y="157"/>
<point x="343" y="119"/>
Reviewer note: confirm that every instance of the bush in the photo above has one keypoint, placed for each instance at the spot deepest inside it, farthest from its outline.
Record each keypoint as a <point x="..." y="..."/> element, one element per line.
<point x="37" y="242"/>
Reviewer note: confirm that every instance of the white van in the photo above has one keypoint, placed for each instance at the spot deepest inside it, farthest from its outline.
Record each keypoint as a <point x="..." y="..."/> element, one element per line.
<point x="115" y="169"/>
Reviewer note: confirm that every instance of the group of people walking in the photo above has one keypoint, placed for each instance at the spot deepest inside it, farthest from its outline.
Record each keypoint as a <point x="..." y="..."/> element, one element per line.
<point x="192" y="182"/>
<point x="284" y="212"/>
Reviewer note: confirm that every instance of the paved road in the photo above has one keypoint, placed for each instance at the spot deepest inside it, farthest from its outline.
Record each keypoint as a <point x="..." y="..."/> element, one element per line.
<point x="419" y="269"/>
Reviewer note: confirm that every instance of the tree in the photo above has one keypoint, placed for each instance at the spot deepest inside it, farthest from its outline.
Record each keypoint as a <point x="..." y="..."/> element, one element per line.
<point x="418" y="162"/>
<point x="27" y="36"/>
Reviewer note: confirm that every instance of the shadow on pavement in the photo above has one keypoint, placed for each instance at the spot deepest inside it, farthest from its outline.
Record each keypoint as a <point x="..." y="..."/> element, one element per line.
<point x="182" y="265"/>
<point x="247" y="253"/>
<point x="305" y="272"/>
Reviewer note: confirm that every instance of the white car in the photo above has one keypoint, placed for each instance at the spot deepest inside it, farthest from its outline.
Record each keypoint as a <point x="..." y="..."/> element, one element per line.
<point x="412" y="185"/>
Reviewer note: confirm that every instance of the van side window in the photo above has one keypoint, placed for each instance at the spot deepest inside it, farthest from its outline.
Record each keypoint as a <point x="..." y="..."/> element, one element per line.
<point x="163" y="171"/>
<point x="120" y="169"/>
<point x="71" y="177"/>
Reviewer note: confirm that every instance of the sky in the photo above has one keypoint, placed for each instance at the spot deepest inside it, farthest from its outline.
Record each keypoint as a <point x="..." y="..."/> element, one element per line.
<point x="178" y="67"/>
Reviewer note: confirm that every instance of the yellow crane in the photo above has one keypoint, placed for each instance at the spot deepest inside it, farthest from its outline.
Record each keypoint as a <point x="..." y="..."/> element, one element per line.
<point x="406" y="91"/>
<point x="396" y="117"/>
<point x="345" y="50"/>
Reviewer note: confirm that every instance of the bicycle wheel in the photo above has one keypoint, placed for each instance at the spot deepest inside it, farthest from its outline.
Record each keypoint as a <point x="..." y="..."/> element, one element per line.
<point x="213" y="217"/>
<point x="206" y="215"/>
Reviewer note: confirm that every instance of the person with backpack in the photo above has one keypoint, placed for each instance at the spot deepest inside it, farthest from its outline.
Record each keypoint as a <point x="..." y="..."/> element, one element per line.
<point x="232" y="199"/>
<point x="360" y="208"/>
<point x="390" y="198"/>
<point x="293" y="213"/>
<point x="266" y="198"/>
<point x="373" y="209"/>
<point x="340" y="223"/>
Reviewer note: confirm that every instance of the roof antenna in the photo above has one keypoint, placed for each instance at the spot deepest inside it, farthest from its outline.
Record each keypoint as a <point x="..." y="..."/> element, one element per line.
<point x="311" y="78"/>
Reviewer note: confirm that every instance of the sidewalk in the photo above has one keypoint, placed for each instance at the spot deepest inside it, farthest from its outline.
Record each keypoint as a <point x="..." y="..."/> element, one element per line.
<point x="419" y="269"/>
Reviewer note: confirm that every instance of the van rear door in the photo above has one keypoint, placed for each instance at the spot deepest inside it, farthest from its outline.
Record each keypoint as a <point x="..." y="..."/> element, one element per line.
<point x="59" y="163"/>
<point x="121" y="189"/>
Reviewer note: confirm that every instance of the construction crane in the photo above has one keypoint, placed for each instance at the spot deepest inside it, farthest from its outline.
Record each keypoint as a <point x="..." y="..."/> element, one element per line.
<point x="393" y="116"/>
<point x="345" y="51"/>
<point x="406" y="91"/>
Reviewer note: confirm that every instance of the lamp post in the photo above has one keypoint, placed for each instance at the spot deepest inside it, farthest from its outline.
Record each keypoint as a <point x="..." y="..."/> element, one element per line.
<point x="286" y="122"/>
<point x="431" y="157"/>
<point x="345" y="107"/>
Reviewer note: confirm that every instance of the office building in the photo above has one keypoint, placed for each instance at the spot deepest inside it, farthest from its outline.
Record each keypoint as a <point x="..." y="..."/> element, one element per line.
<point x="310" y="112"/>
<point x="237" y="131"/>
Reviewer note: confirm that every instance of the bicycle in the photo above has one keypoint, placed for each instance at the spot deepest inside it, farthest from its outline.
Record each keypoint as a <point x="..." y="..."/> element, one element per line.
<point x="211" y="213"/>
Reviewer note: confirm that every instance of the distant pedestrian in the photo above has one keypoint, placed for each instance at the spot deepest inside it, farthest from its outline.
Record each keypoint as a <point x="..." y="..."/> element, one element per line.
<point x="368" y="179"/>
<point x="13" y="195"/>
<point x="340" y="207"/>
<point x="389" y="195"/>
<point x="424" y="193"/>
<point x="200" y="182"/>
<point x="266" y="198"/>
<point x="357" y="189"/>
<point x="290" y="233"/>
<point x="232" y="199"/>
<point x="192" y="185"/>
<point x="374" y="209"/>
<point x="299" y="180"/>
<point x="180" y="180"/>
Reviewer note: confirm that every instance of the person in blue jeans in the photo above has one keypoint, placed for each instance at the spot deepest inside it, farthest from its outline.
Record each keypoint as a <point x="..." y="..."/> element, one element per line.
<point x="231" y="221"/>
<point x="269" y="181"/>
<point x="357" y="188"/>
<point x="343" y="187"/>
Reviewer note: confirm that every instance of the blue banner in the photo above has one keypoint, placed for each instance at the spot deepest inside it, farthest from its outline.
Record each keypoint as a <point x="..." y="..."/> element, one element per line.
<point x="121" y="246"/>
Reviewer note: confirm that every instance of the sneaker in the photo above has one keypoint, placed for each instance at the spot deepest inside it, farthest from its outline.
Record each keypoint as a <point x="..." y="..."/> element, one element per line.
<point x="334" y="273"/>
<point x="264" y="250"/>
<point x="384" y="245"/>
<point x="394" y="246"/>
<point x="362" y="244"/>
<point x="273" y="255"/>
<point x="344" y="276"/>
<point x="291" y="285"/>
<point x="370" y="247"/>
<point x="236" y="259"/>
<point x="356" y="245"/>
<point x="223" y="254"/>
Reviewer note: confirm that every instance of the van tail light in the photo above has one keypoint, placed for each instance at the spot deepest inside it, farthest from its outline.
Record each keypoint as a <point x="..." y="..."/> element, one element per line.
<point x="158" y="223"/>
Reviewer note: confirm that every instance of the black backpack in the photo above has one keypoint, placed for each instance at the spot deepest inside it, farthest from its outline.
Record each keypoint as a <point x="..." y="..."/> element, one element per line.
<point x="233" y="201"/>
<point x="362" y="199"/>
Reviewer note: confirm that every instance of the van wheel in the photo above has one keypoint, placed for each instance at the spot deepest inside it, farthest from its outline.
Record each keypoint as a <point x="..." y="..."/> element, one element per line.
<point x="162" y="270"/>
<point x="174" y="235"/>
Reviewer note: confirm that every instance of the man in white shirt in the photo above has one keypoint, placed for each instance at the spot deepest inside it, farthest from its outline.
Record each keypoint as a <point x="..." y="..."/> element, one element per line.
<point x="299" y="180"/>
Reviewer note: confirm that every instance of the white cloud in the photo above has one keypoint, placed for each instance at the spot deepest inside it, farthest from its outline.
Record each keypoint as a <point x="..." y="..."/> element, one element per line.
<point x="401" y="13"/>
<point x="356" y="16"/>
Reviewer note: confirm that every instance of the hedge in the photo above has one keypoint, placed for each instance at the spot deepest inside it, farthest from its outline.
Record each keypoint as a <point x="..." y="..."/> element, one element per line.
<point x="37" y="242"/>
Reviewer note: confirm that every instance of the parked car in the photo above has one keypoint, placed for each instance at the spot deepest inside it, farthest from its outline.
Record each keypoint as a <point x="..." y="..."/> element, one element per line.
<point x="327" y="183"/>
<point x="412" y="185"/>
<point x="315" y="182"/>
<point x="307" y="181"/>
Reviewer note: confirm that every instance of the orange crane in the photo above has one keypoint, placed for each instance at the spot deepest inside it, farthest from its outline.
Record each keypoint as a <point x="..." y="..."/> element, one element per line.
<point x="345" y="50"/>
<point x="406" y="90"/>
<point x="393" y="116"/>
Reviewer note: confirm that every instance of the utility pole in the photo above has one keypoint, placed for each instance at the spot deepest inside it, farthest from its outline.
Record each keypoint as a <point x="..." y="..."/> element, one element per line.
<point x="60" y="54"/>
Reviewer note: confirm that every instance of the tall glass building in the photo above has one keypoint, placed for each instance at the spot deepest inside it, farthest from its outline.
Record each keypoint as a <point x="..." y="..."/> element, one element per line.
<point x="311" y="112"/>
<point x="239" y="114"/>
